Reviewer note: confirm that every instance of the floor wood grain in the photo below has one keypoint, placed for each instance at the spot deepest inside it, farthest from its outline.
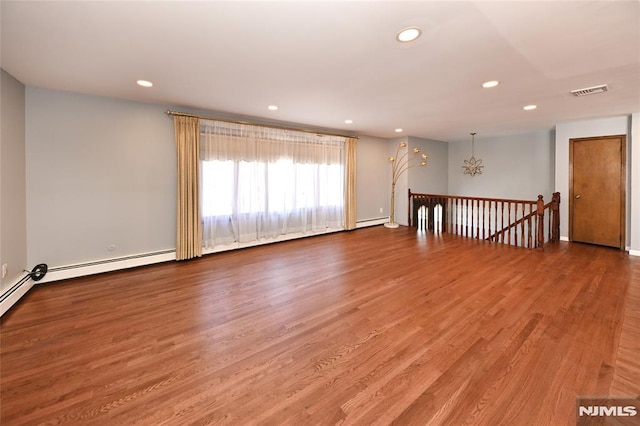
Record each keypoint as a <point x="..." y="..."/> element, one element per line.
<point x="373" y="326"/>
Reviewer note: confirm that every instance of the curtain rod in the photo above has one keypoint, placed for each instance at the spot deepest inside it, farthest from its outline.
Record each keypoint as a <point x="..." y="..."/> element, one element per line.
<point x="248" y="123"/>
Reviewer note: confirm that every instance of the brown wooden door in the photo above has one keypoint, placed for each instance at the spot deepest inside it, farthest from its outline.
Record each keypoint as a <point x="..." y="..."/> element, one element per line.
<point x="597" y="190"/>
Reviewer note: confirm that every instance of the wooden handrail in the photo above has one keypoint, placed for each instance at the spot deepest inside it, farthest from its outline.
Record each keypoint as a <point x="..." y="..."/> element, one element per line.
<point x="512" y="225"/>
<point x="462" y="197"/>
<point x="522" y="219"/>
<point x="508" y="221"/>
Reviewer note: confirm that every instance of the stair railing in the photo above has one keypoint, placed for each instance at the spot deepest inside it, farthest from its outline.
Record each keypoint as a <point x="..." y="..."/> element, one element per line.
<point x="506" y="221"/>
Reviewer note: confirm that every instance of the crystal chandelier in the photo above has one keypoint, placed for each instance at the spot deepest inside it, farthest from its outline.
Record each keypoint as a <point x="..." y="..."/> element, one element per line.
<point x="472" y="166"/>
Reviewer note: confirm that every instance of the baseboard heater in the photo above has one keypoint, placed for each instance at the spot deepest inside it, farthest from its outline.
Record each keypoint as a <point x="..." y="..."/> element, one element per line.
<point x="372" y="222"/>
<point x="11" y="295"/>
<point x="107" y="261"/>
<point x="14" y="288"/>
<point x="107" y="265"/>
<point x="19" y="289"/>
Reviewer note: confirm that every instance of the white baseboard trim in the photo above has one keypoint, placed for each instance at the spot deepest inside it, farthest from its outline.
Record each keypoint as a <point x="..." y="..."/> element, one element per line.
<point x="372" y="222"/>
<point x="627" y="249"/>
<point x="14" y="293"/>
<point x="106" y="265"/>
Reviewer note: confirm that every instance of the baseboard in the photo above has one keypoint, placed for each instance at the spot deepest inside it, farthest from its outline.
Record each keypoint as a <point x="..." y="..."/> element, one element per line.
<point x="627" y="249"/>
<point x="372" y="222"/>
<point x="14" y="293"/>
<point x="106" y="265"/>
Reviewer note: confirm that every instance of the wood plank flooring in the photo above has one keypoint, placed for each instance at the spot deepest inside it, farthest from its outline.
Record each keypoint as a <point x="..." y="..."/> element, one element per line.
<point x="373" y="326"/>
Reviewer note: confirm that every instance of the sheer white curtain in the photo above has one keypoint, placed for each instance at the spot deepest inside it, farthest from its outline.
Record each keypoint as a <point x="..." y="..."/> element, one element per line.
<point x="259" y="183"/>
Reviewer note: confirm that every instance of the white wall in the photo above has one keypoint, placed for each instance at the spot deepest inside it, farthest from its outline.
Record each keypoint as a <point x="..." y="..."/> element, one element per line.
<point x="402" y="183"/>
<point x="634" y="185"/>
<point x="101" y="172"/>
<point x="583" y="129"/>
<point x="372" y="178"/>
<point x="434" y="177"/>
<point x="517" y="166"/>
<point x="13" y="205"/>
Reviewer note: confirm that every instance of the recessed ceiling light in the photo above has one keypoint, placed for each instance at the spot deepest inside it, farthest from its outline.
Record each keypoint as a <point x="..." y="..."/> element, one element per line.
<point x="408" y="34"/>
<point x="144" y="83"/>
<point x="492" y="83"/>
<point x="529" y="107"/>
<point x="273" y="107"/>
<point x="398" y="130"/>
<point x="348" y="121"/>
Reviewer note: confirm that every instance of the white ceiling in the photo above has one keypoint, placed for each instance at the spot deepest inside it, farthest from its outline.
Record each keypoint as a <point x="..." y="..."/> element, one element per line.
<point x="323" y="62"/>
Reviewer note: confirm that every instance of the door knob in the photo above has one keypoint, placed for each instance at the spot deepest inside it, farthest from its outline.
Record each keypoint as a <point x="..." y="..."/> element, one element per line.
<point x="577" y="196"/>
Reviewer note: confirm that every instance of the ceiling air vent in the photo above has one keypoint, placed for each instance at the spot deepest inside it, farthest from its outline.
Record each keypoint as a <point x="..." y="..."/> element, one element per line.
<point x="590" y="90"/>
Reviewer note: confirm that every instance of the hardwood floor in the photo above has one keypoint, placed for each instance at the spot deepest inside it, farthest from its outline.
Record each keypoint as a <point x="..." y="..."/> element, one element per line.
<point x="374" y="326"/>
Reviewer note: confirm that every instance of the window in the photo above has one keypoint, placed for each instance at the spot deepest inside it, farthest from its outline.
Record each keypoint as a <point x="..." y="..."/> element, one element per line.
<point x="260" y="183"/>
<point x="289" y="187"/>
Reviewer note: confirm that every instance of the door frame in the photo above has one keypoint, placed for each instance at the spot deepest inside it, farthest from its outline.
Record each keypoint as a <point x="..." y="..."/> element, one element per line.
<point x="623" y="184"/>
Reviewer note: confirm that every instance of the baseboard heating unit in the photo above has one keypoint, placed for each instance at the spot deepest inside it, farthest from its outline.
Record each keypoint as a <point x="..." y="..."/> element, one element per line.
<point x="107" y="265"/>
<point x="372" y="222"/>
<point x="19" y="289"/>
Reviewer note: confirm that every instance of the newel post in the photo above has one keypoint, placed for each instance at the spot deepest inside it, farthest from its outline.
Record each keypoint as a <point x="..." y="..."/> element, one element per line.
<point x="555" y="211"/>
<point x="540" y="216"/>
<point x="409" y="208"/>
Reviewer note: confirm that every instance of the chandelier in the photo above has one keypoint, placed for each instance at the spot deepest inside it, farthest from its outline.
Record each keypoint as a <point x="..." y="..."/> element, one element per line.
<point x="472" y="166"/>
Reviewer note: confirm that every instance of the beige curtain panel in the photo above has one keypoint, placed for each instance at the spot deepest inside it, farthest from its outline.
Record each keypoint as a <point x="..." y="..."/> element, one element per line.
<point x="350" y="184"/>
<point x="189" y="224"/>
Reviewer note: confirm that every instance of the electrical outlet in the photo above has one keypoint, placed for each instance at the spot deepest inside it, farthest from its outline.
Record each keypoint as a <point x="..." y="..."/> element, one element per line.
<point x="380" y="209"/>
<point x="5" y="270"/>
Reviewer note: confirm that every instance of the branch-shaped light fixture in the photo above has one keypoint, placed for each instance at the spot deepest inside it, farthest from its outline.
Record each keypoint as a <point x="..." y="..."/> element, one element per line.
<point x="400" y="163"/>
